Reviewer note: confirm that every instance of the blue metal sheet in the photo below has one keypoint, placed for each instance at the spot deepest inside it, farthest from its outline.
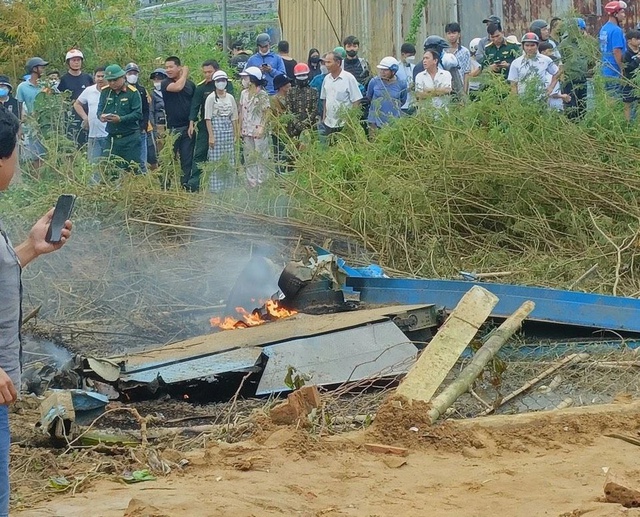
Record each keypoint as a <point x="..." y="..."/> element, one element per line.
<point x="552" y="305"/>
<point x="195" y="368"/>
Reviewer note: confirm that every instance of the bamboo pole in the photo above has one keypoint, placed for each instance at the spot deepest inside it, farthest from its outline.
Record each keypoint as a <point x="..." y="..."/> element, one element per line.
<point x="482" y="357"/>
<point x="435" y="362"/>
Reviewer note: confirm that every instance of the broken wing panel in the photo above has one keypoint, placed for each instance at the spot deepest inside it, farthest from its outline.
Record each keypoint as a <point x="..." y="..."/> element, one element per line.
<point x="195" y="368"/>
<point x="375" y="350"/>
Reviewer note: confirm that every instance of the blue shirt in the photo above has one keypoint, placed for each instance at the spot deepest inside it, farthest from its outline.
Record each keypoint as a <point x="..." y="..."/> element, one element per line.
<point x="274" y="61"/>
<point x="611" y="37"/>
<point x="316" y="84"/>
<point x="386" y="100"/>
<point x="27" y="92"/>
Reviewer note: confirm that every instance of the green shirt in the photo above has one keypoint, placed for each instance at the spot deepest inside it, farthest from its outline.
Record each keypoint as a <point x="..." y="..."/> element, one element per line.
<point x="126" y="104"/>
<point x="505" y="52"/>
<point x="200" y="95"/>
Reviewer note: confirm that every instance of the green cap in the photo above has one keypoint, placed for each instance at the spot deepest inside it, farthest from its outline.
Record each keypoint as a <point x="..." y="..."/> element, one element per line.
<point x="341" y="52"/>
<point x="113" y="72"/>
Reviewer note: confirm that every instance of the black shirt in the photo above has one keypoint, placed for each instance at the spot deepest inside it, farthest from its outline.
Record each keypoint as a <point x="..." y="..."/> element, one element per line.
<point x="239" y="61"/>
<point x="75" y="84"/>
<point x="289" y="65"/>
<point x="12" y="106"/>
<point x="144" y="121"/>
<point x="177" y="105"/>
<point x="359" y="68"/>
<point x="630" y="64"/>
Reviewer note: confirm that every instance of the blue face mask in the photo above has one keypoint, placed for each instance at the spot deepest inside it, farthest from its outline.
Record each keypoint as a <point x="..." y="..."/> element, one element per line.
<point x="4" y="92"/>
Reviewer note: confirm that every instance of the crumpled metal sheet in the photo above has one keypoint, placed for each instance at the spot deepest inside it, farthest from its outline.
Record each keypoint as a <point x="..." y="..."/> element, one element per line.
<point x="369" y="351"/>
<point x="194" y="368"/>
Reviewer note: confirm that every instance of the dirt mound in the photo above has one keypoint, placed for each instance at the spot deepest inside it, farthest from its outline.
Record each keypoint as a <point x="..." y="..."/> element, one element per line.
<point x="405" y="423"/>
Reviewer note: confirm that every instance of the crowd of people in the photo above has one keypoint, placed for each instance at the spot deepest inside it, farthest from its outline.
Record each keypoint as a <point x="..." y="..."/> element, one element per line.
<point x="281" y="100"/>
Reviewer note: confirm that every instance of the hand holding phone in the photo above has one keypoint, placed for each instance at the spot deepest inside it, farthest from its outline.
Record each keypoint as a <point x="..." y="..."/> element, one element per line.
<point x="62" y="212"/>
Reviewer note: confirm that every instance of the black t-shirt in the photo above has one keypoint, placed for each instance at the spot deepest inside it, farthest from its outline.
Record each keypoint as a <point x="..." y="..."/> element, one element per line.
<point x="289" y="65"/>
<point x="630" y="64"/>
<point x="239" y="61"/>
<point x="75" y="84"/>
<point x="12" y="106"/>
<point x="177" y="105"/>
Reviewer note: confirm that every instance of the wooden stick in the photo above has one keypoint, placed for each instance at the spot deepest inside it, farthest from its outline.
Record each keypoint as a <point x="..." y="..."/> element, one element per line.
<point x="624" y="438"/>
<point x="584" y="275"/>
<point x="187" y="418"/>
<point x="496" y="274"/>
<point x="479" y="398"/>
<point x="573" y="358"/>
<point x="32" y="314"/>
<point x="211" y="230"/>
<point x="482" y="357"/>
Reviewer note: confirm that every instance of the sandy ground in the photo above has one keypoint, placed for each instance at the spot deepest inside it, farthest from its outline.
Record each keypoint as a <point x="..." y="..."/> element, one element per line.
<point x="508" y="466"/>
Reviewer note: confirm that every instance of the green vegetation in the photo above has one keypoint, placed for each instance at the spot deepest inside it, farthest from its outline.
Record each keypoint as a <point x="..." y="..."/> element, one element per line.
<point x="107" y="32"/>
<point x="416" y="20"/>
<point x="500" y="184"/>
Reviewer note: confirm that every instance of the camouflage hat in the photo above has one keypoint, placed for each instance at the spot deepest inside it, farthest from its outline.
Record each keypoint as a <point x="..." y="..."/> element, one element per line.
<point x="113" y="72"/>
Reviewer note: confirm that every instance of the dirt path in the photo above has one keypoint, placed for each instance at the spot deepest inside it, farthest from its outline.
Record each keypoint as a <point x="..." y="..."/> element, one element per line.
<point x="292" y="474"/>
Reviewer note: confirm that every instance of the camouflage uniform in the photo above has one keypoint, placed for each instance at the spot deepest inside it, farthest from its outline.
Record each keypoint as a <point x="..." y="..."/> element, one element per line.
<point x="124" y="137"/>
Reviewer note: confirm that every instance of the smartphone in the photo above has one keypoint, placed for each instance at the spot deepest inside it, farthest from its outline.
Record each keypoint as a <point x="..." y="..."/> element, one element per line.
<point x="62" y="212"/>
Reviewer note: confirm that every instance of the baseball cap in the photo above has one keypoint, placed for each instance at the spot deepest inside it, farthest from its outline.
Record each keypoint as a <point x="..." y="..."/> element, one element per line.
<point x="6" y="81"/>
<point x="492" y="19"/>
<point x="280" y="80"/>
<point x="341" y="52"/>
<point x="113" y="72"/>
<point x="263" y="39"/>
<point x="157" y="71"/>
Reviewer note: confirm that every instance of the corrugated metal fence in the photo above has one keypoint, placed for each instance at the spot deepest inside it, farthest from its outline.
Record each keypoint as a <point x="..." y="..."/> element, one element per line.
<point x="381" y="25"/>
<point x="323" y="24"/>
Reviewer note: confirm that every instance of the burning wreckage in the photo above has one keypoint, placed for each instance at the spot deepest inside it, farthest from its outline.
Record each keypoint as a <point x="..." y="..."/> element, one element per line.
<point x="310" y="327"/>
<point x="329" y="324"/>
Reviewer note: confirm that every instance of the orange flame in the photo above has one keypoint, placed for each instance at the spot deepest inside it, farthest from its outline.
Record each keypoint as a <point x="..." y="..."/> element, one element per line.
<point x="251" y="319"/>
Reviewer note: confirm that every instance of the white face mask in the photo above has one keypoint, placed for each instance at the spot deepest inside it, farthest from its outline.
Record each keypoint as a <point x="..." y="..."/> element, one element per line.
<point x="263" y="52"/>
<point x="245" y="82"/>
<point x="157" y="85"/>
<point x="221" y="85"/>
<point x="411" y="59"/>
<point x="132" y="78"/>
<point x="323" y="69"/>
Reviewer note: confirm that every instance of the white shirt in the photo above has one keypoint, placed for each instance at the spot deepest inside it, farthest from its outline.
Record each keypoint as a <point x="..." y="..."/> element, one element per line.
<point x="523" y="70"/>
<point x="90" y="97"/>
<point x="474" y="84"/>
<point x="339" y="93"/>
<point x="442" y="79"/>
<point x="225" y="107"/>
<point x="555" y="103"/>
<point x="406" y="72"/>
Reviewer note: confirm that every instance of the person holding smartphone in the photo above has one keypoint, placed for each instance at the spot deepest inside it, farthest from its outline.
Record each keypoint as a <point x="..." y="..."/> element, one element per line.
<point x="12" y="260"/>
<point x="120" y="106"/>
<point x="270" y="64"/>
